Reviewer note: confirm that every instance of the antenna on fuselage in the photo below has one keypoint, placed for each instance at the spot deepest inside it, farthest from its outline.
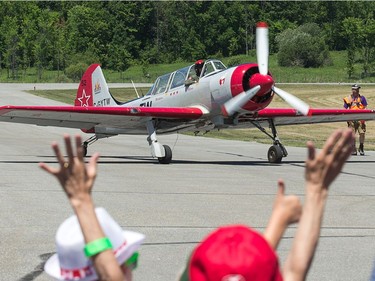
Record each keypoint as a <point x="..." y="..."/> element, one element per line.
<point x="135" y="89"/>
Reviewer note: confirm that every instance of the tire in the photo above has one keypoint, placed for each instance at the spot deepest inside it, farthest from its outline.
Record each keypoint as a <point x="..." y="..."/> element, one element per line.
<point x="84" y="146"/>
<point x="168" y="155"/>
<point x="275" y="154"/>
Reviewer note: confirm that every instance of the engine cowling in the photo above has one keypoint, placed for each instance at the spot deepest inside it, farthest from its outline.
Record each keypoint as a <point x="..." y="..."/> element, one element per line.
<point x="247" y="76"/>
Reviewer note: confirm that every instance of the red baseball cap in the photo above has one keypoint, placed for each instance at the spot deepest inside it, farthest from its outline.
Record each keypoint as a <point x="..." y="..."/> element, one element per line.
<point x="199" y="63"/>
<point x="233" y="253"/>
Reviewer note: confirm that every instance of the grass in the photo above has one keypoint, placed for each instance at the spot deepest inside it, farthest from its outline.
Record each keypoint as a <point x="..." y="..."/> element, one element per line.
<point x="334" y="73"/>
<point x="322" y="96"/>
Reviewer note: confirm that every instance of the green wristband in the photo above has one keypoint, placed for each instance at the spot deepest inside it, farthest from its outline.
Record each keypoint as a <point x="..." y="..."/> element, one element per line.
<point x="97" y="246"/>
<point x="132" y="262"/>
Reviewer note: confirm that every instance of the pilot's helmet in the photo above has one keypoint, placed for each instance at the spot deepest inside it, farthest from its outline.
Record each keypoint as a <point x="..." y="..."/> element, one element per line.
<point x="199" y="64"/>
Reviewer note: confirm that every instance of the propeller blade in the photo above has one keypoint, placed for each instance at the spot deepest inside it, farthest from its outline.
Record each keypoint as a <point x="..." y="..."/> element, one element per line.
<point x="234" y="104"/>
<point x="262" y="47"/>
<point x="295" y="102"/>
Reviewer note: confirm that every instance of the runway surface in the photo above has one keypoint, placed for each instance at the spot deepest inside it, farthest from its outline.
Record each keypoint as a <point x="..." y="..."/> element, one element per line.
<point x="210" y="183"/>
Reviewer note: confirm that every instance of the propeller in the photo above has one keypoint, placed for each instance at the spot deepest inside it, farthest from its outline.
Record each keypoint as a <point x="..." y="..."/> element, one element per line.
<point x="295" y="102"/>
<point x="234" y="104"/>
<point x="262" y="46"/>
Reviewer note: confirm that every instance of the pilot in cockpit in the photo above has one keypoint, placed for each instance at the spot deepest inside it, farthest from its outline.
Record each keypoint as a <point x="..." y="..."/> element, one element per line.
<point x="198" y="67"/>
<point x="193" y="78"/>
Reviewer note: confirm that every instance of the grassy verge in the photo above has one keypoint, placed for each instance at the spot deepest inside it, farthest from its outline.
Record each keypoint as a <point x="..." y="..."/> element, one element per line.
<point x="148" y="73"/>
<point x="322" y="96"/>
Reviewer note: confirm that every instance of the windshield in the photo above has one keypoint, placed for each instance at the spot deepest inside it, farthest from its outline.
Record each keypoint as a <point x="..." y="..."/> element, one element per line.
<point x="213" y="66"/>
<point x="179" y="77"/>
<point x="219" y="65"/>
<point x="161" y="84"/>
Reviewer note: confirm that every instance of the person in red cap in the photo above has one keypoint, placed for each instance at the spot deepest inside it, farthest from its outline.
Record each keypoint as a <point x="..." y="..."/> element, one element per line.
<point x="239" y="253"/>
<point x="196" y="74"/>
<point x="198" y="66"/>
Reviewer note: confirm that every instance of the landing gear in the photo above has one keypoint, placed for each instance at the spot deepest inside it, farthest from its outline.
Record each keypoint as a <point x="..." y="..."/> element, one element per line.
<point x="87" y="142"/>
<point x="84" y="146"/>
<point x="168" y="155"/>
<point x="275" y="154"/>
<point x="91" y="140"/>
<point x="162" y="152"/>
<point x="277" y="151"/>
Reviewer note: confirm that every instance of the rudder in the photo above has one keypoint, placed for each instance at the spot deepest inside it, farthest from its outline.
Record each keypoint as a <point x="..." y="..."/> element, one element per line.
<point x="93" y="89"/>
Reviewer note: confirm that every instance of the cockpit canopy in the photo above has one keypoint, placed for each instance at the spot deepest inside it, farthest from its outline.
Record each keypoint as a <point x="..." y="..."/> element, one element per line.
<point x="174" y="80"/>
<point x="211" y="67"/>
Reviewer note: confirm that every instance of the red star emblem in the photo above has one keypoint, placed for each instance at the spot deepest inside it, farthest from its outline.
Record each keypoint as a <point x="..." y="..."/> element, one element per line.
<point x="84" y="100"/>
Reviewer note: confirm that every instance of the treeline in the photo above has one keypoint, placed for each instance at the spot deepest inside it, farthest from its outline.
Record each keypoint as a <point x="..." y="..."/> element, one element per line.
<point x="67" y="36"/>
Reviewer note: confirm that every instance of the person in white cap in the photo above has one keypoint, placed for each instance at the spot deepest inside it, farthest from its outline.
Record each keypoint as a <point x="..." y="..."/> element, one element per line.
<point x="357" y="101"/>
<point x="90" y="245"/>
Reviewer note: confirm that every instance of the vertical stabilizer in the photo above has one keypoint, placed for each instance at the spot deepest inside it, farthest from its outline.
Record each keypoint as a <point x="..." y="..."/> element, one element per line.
<point x="93" y="89"/>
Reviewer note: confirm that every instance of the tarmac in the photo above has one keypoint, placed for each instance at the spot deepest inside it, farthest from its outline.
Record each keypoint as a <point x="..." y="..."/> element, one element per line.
<point x="210" y="183"/>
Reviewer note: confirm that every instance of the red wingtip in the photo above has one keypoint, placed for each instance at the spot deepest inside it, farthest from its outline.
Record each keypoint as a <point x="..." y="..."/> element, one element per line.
<point x="262" y="24"/>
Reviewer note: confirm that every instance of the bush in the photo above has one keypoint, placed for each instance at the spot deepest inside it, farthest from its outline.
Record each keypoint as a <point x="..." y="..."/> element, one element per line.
<point x="303" y="47"/>
<point x="234" y="61"/>
<point x="62" y="78"/>
<point x="75" y="71"/>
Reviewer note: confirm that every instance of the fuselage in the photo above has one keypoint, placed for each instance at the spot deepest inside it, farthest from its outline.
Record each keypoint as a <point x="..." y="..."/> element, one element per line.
<point x="215" y="87"/>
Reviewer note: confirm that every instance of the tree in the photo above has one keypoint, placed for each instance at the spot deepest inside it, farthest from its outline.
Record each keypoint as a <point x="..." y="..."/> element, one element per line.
<point x="123" y="28"/>
<point x="44" y="41"/>
<point x="367" y="45"/>
<point x="11" y="48"/>
<point x="351" y="27"/>
<point x="88" y="33"/>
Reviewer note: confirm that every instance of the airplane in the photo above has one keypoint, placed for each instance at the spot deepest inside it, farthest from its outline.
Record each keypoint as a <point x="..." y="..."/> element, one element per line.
<point x="217" y="98"/>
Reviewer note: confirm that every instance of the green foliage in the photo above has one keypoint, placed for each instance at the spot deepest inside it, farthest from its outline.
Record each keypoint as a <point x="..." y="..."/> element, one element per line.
<point x="303" y="46"/>
<point x="357" y="39"/>
<point x="75" y="71"/>
<point x="234" y="61"/>
<point x="120" y="34"/>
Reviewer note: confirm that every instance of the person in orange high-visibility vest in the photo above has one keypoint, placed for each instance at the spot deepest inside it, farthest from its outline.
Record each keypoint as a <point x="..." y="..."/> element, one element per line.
<point x="356" y="101"/>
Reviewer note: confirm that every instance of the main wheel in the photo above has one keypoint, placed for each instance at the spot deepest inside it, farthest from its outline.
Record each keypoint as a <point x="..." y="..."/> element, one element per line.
<point x="167" y="157"/>
<point x="275" y="154"/>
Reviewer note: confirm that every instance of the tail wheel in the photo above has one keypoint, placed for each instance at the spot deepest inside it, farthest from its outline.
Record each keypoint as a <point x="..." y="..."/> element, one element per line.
<point x="167" y="157"/>
<point x="84" y="146"/>
<point x="275" y="154"/>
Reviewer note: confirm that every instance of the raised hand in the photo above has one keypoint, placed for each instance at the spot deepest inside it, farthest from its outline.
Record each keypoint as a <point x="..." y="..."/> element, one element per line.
<point x="322" y="169"/>
<point x="289" y="206"/>
<point x="74" y="175"/>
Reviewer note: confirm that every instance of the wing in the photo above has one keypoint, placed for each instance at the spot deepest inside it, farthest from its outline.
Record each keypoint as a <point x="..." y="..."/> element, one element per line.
<point x="86" y="118"/>
<point x="288" y="116"/>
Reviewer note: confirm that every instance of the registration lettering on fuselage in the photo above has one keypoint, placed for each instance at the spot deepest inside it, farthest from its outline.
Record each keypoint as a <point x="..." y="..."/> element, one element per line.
<point x="103" y="102"/>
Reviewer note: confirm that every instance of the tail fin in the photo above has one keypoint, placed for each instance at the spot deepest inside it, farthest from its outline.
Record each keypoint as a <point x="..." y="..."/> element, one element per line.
<point x="93" y="89"/>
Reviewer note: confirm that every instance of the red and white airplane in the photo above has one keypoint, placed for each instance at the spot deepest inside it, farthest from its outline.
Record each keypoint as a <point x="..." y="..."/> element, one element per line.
<point x="221" y="98"/>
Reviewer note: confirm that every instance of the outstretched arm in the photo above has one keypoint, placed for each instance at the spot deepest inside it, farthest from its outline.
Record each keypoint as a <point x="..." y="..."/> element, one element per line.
<point x="77" y="180"/>
<point x="286" y="210"/>
<point x="321" y="170"/>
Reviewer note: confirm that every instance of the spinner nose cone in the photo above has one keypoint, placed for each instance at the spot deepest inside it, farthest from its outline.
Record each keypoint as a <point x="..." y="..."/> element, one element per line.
<point x="264" y="81"/>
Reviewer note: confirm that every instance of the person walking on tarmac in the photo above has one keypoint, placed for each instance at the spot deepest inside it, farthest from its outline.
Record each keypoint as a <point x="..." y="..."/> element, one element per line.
<point x="356" y="101"/>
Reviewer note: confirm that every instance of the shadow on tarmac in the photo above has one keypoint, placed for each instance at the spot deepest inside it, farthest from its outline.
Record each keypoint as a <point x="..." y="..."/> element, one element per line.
<point x="38" y="270"/>
<point x="147" y="159"/>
